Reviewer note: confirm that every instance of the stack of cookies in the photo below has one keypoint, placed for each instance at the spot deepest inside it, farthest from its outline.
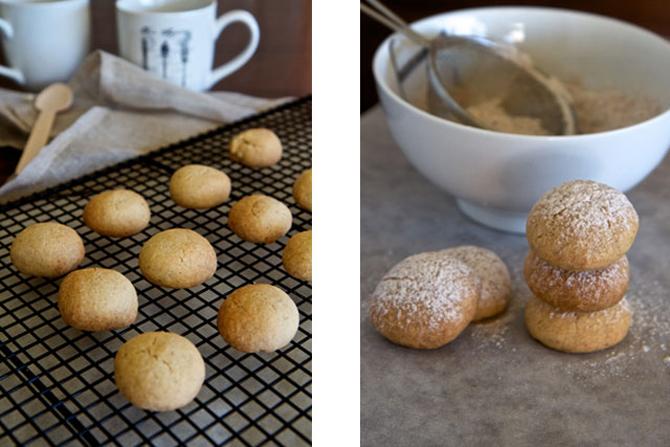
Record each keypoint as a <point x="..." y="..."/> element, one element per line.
<point x="577" y="268"/>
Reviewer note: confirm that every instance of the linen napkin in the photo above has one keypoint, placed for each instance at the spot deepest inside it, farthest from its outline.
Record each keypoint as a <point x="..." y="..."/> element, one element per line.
<point x="119" y="112"/>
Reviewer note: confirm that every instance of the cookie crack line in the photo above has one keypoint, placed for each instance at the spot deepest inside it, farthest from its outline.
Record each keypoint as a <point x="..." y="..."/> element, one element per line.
<point x="397" y="278"/>
<point x="157" y="357"/>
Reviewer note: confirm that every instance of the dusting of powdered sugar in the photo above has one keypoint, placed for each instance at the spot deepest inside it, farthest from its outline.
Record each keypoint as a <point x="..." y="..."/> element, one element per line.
<point x="648" y="338"/>
<point x="590" y="285"/>
<point x="582" y="214"/>
<point x="428" y="290"/>
<point x="611" y="314"/>
<point x="487" y="267"/>
<point x="496" y="333"/>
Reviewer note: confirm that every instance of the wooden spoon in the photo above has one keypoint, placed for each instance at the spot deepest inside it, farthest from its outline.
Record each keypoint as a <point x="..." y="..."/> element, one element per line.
<point x="53" y="99"/>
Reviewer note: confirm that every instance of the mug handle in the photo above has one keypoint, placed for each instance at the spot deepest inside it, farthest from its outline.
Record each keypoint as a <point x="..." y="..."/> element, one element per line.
<point x="221" y="23"/>
<point x="12" y="73"/>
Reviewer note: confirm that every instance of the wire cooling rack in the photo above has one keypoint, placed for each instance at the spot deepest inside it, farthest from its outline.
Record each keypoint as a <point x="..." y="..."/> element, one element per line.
<point x="57" y="383"/>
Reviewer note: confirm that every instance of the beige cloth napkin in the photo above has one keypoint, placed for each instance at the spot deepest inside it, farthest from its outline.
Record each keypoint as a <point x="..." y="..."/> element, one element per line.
<point x="120" y="111"/>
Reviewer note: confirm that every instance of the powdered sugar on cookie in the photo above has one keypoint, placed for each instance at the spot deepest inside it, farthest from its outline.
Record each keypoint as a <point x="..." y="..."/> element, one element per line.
<point x="587" y="290"/>
<point x="582" y="225"/>
<point x="610" y="314"/>
<point x="491" y="272"/>
<point x="428" y="288"/>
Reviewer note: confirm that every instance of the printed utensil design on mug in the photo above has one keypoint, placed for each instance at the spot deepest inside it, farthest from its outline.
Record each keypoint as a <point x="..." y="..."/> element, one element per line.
<point x="44" y="41"/>
<point x="175" y="39"/>
<point x="172" y="52"/>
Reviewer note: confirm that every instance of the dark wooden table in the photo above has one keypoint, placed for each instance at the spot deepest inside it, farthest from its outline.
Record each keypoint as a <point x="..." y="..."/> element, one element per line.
<point x="651" y="14"/>
<point x="282" y="65"/>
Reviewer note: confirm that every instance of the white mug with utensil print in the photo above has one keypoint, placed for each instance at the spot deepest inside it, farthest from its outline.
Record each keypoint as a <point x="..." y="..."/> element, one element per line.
<point x="175" y="39"/>
<point x="44" y="41"/>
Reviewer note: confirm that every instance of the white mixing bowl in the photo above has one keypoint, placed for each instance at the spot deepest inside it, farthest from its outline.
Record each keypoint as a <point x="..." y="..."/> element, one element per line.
<point x="496" y="177"/>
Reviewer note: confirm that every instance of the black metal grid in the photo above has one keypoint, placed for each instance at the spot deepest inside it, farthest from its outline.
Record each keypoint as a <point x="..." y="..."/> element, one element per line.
<point x="57" y="383"/>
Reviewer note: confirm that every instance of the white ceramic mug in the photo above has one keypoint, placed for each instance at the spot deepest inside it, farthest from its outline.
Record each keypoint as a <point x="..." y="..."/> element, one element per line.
<point x="175" y="39"/>
<point x="44" y="41"/>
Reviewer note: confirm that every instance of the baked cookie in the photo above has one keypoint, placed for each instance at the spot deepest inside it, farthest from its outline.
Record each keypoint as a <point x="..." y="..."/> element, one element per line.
<point x="97" y="299"/>
<point x="47" y="249"/>
<point x="297" y="256"/>
<point x="491" y="271"/>
<point x="256" y="148"/>
<point x="425" y="301"/>
<point x="177" y="258"/>
<point x="302" y="190"/>
<point x="199" y="187"/>
<point x="582" y="225"/>
<point x="260" y="219"/>
<point x="585" y="291"/>
<point x="577" y="331"/>
<point x="258" y="318"/>
<point x="117" y="213"/>
<point x="159" y="371"/>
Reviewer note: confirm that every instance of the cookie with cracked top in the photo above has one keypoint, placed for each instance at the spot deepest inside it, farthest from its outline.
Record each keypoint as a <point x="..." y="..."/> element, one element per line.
<point x="582" y="225"/>
<point x="159" y="371"/>
<point x="256" y="148"/>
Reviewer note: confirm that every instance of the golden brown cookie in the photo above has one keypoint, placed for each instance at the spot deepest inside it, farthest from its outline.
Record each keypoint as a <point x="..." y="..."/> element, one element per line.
<point x="585" y="291"/>
<point x="577" y="331"/>
<point x="425" y="301"/>
<point x="302" y="190"/>
<point x="117" y="213"/>
<point x="178" y="258"/>
<point x="159" y="371"/>
<point x="260" y="219"/>
<point x="258" y="318"/>
<point x="97" y="299"/>
<point x="297" y="256"/>
<point x="199" y="187"/>
<point x="256" y="148"/>
<point x="491" y="271"/>
<point x="582" y="225"/>
<point x="47" y="249"/>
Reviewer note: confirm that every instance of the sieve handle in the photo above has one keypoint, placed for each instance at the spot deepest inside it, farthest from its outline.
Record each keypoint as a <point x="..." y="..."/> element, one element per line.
<point x="388" y="18"/>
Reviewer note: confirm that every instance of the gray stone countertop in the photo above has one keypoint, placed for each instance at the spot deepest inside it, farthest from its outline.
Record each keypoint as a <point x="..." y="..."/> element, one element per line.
<point x="495" y="385"/>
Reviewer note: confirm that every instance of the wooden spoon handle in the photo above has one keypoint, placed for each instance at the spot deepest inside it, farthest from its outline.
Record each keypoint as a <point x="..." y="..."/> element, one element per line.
<point x="38" y="138"/>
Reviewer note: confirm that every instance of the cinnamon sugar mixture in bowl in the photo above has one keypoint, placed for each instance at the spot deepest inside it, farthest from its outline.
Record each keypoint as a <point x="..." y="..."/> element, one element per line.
<point x="596" y="110"/>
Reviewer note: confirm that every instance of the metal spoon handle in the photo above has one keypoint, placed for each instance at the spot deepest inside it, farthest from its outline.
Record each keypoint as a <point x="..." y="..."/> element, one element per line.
<point x="388" y="18"/>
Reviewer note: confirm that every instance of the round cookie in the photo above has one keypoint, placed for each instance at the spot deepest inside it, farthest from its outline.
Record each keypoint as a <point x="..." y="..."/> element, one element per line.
<point x="582" y="225"/>
<point x="199" y="187"/>
<point x="297" y="256"/>
<point x="491" y="271"/>
<point x="425" y="301"/>
<point x="577" y="331"/>
<point x="47" y="250"/>
<point x="260" y="219"/>
<point x="178" y="258"/>
<point x="302" y="190"/>
<point x="159" y="371"/>
<point x="258" y="318"/>
<point x="97" y="299"/>
<point x="117" y="213"/>
<point x="256" y="148"/>
<point x="585" y="291"/>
